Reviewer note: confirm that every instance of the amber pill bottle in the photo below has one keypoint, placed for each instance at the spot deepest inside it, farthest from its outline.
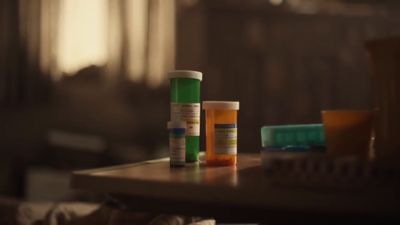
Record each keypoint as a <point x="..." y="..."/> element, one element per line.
<point x="221" y="132"/>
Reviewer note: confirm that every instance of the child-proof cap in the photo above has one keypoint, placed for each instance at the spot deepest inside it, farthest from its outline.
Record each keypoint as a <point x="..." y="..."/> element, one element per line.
<point x="176" y="124"/>
<point x="186" y="74"/>
<point x="224" y="105"/>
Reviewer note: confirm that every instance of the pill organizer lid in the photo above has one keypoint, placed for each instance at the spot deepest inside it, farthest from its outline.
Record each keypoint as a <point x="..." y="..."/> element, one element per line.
<point x="186" y="74"/>
<point x="176" y="124"/>
<point x="232" y="105"/>
<point x="293" y="135"/>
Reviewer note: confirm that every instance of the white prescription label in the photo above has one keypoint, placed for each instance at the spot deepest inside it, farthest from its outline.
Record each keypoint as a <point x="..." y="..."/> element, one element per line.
<point x="177" y="148"/>
<point x="225" y="139"/>
<point x="189" y="112"/>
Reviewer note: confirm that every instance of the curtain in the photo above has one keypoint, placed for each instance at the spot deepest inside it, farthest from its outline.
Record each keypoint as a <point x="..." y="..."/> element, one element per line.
<point x="141" y="39"/>
<point x="133" y="39"/>
<point x="25" y="56"/>
<point x="137" y="43"/>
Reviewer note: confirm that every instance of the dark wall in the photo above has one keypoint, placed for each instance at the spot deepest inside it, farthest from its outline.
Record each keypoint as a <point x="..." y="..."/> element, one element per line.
<point x="283" y="66"/>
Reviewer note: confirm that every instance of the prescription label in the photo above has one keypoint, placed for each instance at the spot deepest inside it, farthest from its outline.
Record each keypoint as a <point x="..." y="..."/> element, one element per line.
<point x="189" y="112"/>
<point x="225" y="139"/>
<point x="177" y="147"/>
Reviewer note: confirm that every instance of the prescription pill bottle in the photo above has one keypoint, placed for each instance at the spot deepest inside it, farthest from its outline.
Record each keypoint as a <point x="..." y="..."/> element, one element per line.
<point x="177" y="143"/>
<point x="185" y="106"/>
<point x="221" y="132"/>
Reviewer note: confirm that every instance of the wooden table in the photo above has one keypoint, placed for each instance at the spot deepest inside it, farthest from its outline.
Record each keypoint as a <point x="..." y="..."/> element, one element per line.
<point x="242" y="193"/>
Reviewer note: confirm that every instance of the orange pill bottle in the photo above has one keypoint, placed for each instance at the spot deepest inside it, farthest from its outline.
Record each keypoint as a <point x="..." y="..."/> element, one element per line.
<point x="221" y="132"/>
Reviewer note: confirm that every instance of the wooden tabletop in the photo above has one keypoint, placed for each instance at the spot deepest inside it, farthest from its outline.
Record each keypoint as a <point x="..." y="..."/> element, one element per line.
<point x="241" y="193"/>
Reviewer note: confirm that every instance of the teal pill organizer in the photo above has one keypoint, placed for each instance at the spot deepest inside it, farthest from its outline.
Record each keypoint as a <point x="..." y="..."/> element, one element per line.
<point x="293" y="135"/>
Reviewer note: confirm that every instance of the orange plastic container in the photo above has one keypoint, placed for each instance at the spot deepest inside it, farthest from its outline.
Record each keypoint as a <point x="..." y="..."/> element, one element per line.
<point x="348" y="132"/>
<point x="221" y="132"/>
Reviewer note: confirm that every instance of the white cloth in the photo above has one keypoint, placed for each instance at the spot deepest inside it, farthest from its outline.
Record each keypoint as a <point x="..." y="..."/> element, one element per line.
<point x="86" y="214"/>
<point x="33" y="213"/>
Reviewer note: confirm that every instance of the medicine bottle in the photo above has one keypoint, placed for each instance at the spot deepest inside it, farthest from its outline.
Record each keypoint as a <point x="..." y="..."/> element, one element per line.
<point x="221" y="132"/>
<point x="177" y="143"/>
<point x="185" y="106"/>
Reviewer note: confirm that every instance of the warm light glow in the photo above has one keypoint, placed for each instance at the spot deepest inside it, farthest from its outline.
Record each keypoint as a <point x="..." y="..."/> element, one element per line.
<point x="161" y="57"/>
<point x="138" y="22"/>
<point x="136" y="38"/>
<point x="82" y="39"/>
<point x="276" y="2"/>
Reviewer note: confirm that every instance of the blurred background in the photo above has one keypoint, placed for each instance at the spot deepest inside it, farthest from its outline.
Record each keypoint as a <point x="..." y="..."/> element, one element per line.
<point x="83" y="83"/>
